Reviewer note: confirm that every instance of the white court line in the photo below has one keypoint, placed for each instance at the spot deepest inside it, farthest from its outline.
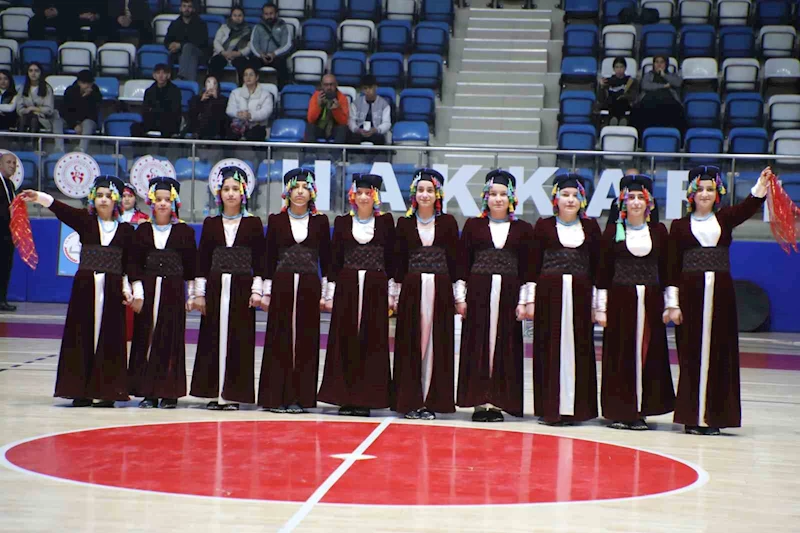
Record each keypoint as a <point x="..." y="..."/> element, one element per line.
<point x="323" y="489"/>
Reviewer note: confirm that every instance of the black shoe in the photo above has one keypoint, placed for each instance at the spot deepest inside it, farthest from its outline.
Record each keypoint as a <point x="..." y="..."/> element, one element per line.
<point x="361" y="411"/>
<point x="103" y="403"/>
<point x="413" y="415"/>
<point x="557" y="423"/>
<point x="148" y="403"/>
<point x="694" y="430"/>
<point x="81" y="402"/>
<point x="639" y="425"/>
<point x="213" y="406"/>
<point x="295" y="409"/>
<point x="169" y="403"/>
<point x="277" y="410"/>
<point x="347" y="410"/>
<point x="480" y="415"/>
<point x="712" y="431"/>
<point x="494" y="415"/>
<point x="5" y="306"/>
<point x="427" y="414"/>
<point x="229" y="407"/>
<point x="619" y="425"/>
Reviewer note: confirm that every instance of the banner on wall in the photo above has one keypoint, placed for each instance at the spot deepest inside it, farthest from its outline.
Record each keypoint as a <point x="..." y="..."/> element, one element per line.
<point x="69" y="251"/>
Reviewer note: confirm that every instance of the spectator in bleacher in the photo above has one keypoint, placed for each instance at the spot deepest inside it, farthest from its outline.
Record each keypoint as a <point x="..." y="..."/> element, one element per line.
<point x="162" y="106"/>
<point x="8" y="101"/>
<point x="58" y="14"/>
<point x="659" y="102"/>
<point x="270" y="44"/>
<point x="80" y="106"/>
<point x="231" y="44"/>
<point x="370" y="115"/>
<point x="249" y="108"/>
<point x="618" y="93"/>
<point x="328" y="113"/>
<point x="207" y="112"/>
<point x="91" y="14"/>
<point x="8" y="167"/>
<point x="187" y="41"/>
<point x="36" y="106"/>
<point x="130" y="15"/>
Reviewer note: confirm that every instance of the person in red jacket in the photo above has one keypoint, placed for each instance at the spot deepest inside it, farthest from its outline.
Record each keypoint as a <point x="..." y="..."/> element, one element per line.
<point x="328" y="111"/>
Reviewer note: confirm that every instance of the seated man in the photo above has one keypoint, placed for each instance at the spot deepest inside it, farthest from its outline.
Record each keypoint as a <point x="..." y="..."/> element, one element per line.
<point x="58" y="14"/>
<point x="270" y="44"/>
<point x="162" y="106"/>
<point x="187" y="41"/>
<point x="129" y="15"/>
<point x="80" y="106"/>
<point x="327" y="113"/>
<point x="370" y="115"/>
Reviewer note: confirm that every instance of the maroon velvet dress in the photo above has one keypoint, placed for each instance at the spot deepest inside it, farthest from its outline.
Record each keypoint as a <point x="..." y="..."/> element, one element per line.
<point x="479" y="260"/>
<point x="239" y="377"/>
<point x="411" y="265"/>
<point x="83" y="371"/>
<point x="550" y="369"/>
<point x="357" y="370"/>
<point x="632" y="390"/>
<point x="694" y="274"/>
<point x="289" y="370"/>
<point x="157" y="366"/>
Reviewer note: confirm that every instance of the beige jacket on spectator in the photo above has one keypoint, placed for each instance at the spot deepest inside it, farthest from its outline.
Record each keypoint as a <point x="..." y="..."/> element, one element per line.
<point x="259" y="104"/>
<point x="46" y="104"/>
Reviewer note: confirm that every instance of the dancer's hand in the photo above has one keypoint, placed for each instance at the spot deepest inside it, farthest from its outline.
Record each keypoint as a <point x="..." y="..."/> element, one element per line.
<point x="765" y="176"/>
<point x="265" y="303"/>
<point x="461" y="309"/>
<point x="529" y="310"/>
<point x="200" y="304"/>
<point x="520" y="312"/>
<point x="665" y="317"/>
<point x="127" y="298"/>
<point x="322" y="304"/>
<point x="676" y="316"/>
<point x="255" y="300"/>
<point x="137" y="305"/>
<point x="29" y="195"/>
<point x="329" y="306"/>
<point x="190" y="304"/>
<point x="600" y="318"/>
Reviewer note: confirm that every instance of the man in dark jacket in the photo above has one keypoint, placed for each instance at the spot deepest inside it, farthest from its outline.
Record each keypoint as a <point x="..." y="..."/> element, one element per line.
<point x="187" y="41"/>
<point x="162" y="106"/>
<point x="8" y="166"/>
<point x="79" y="109"/>
<point x="58" y="14"/>
<point x="129" y="15"/>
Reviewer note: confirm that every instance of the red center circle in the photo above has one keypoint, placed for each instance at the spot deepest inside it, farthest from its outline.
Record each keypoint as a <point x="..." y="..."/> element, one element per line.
<point x="406" y="465"/>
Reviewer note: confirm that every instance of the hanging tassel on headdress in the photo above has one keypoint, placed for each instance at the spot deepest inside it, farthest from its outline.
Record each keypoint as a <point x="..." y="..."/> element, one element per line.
<point x="784" y="216"/>
<point x="620" y="235"/>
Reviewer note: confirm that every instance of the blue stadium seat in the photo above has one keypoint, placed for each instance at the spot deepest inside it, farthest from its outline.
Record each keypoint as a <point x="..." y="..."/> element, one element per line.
<point x="744" y="110"/>
<point x="391" y="96"/>
<point x="44" y="52"/>
<point x="581" y="8"/>
<point x="394" y="36"/>
<point x="438" y="11"/>
<point x="661" y="140"/>
<point x="213" y="23"/>
<point x="252" y="8"/>
<point x="171" y="6"/>
<point x="150" y="55"/>
<point x="612" y="8"/>
<point x="388" y="68"/>
<point x="19" y="81"/>
<point x="119" y="124"/>
<point x="405" y="175"/>
<point x="49" y="170"/>
<point x="748" y="141"/>
<point x="267" y="172"/>
<point x="704" y="141"/>
<point x="772" y="12"/>
<point x="576" y="107"/>
<point x="109" y="87"/>
<point x="287" y="130"/>
<point x="188" y="89"/>
<point x="183" y="168"/>
<point x="319" y="34"/>
<point x="702" y="110"/>
<point x="112" y="165"/>
<point x="425" y="70"/>
<point x="226" y="87"/>
<point x="328" y="9"/>
<point x="294" y="100"/>
<point x="658" y="39"/>
<point x="578" y="70"/>
<point x="432" y="38"/>
<point x="577" y="137"/>
<point x="364" y="9"/>
<point x="410" y="132"/>
<point x="419" y="105"/>
<point x="581" y="40"/>
<point x="30" y="167"/>
<point x="698" y="40"/>
<point x="349" y="67"/>
<point x="736" y="41"/>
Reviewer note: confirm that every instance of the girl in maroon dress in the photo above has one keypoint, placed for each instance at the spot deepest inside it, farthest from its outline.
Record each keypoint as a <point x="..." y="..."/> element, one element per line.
<point x="707" y="330"/>
<point x="631" y="283"/>
<point x="426" y="244"/>
<point x="164" y="257"/>
<point x="357" y="375"/>
<point x="226" y="292"/>
<point x="566" y="253"/>
<point x="495" y="262"/>
<point x="298" y="249"/>
<point x="93" y="357"/>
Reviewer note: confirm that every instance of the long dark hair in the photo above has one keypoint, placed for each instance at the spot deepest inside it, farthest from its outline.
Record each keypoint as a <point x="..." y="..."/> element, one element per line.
<point x="43" y="86"/>
<point x="12" y="87"/>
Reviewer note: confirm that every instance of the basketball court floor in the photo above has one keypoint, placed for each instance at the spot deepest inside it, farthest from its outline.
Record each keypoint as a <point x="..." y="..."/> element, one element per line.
<point x="129" y="469"/>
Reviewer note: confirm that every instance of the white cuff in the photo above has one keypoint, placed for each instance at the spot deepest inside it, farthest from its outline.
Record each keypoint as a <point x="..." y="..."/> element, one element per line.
<point x="255" y="288"/>
<point x="759" y="190"/>
<point x="460" y="291"/>
<point x="324" y="286"/>
<point x="523" y="294"/>
<point x="126" y="285"/>
<point x="45" y="199"/>
<point x="594" y="298"/>
<point x="671" y="300"/>
<point x="138" y="290"/>
<point x="266" y="287"/>
<point x="190" y="288"/>
<point x="331" y="290"/>
<point x="602" y="300"/>
<point x="530" y="298"/>
<point x="200" y="287"/>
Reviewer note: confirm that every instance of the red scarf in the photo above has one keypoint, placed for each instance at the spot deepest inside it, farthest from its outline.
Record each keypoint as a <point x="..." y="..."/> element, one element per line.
<point x="21" y="233"/>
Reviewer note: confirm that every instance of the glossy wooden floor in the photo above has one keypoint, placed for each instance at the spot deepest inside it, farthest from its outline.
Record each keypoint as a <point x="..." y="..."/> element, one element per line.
<point x="753" y="473"/>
